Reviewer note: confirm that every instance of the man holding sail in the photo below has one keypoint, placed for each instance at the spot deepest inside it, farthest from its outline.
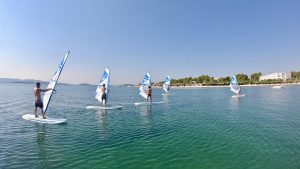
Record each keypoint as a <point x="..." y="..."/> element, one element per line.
<point x="38" y="98"/>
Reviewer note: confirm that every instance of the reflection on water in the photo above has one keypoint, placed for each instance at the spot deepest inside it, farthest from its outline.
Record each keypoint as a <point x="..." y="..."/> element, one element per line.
<point x="41" y="133"/>
<point x="234" y="103"/>
<point x="101" y="115"/>
<point x="41" y="141"/>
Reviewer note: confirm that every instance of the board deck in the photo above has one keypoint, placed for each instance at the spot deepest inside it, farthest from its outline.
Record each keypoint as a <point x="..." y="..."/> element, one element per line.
<point x="103" y="107"/>
<point x="39" y="119"/>
<point x="242" y="95"/>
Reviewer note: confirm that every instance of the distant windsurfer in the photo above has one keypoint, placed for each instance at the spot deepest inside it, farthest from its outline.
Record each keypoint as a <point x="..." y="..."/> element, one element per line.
<point x="149" y="93"/>
<point x="38" y="98"/>
<point x="239" y="90"/>
<point x="103" y="97"/>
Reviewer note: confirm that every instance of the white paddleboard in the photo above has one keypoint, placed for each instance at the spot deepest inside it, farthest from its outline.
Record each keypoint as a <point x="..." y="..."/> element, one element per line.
<point x="145" y="103"/>
<point x="103" y="107"/>
<point x="241" y="95"/>
<point x="166" y="94"/>
<point x="39" y="119"/>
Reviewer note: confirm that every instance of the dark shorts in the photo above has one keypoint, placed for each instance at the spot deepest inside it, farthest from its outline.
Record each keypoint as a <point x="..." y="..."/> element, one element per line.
<point x="149" y="95"/>
<point x="103" y="97"/>
<point x="39" y="104"/>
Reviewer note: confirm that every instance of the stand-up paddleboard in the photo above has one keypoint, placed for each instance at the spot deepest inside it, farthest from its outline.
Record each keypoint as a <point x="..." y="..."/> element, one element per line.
<point x="47" y="97"/>
<point x="105" y="79"/>
<point x="234" y="87"/>
<point x="147" y="103"/>
<point x="40" y="119"/>
<point x="103" y="107"/>
<point x="241" y="95"/>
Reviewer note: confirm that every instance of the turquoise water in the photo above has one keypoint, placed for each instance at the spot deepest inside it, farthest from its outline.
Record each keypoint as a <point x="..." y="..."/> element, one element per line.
<point x="194" y="128"/>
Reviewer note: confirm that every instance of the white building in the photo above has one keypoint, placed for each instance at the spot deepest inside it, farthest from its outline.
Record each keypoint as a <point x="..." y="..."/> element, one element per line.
<point x="276" y="76"/>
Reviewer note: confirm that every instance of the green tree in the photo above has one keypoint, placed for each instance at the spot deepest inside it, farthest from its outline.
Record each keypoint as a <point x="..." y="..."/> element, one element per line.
<point x="295" y="75"/>
<point x="242" y="78"/>
<point x="255" y="77"/>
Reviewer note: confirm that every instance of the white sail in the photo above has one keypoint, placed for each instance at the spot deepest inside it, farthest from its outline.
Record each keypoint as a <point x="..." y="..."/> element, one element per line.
<point x="104" y="80"/>
<point x="53" y="82"/>
<point x="144" y="86"/>
<point x="234" y="86"/>
<point x="167" y="84"/>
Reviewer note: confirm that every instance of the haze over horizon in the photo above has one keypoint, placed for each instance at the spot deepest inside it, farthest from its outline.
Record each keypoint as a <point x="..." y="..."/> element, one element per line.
<point x="171" y="37"/>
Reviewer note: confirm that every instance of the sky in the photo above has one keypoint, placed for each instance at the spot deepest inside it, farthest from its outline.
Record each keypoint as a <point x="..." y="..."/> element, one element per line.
<point x="180" y="38"/>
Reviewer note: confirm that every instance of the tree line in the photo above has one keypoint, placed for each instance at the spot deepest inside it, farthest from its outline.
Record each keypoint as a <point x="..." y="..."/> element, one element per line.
<point x="206" y="80"/>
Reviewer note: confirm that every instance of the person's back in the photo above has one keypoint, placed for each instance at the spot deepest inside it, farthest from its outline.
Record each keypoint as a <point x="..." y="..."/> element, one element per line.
<point x="38" y="98"/>
<point x="149" y="93"/>
<point x="37" y="94"/>
<point x="103" y="97"/>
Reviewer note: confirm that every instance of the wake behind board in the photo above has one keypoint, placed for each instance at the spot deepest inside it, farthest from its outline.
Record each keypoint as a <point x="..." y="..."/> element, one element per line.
<point x="103" y="107"/>
<point x="242" y="95"/>
<point x="145" y="103"/>
<point x="39" y="119"/>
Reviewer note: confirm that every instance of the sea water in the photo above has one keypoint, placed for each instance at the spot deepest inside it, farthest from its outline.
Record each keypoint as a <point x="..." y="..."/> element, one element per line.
<point x="193" y="128"/>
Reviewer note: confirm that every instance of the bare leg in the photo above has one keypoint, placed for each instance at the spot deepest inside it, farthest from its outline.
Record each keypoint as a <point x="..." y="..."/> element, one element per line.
<point x="43" y="113"/>
<point x="151" y="98"/>
<point x="35" y="109"/>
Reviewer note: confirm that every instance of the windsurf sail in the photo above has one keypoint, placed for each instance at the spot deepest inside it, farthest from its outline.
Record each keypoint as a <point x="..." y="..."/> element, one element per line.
<point x="53" y="82"/>
<point x="234" y="85"/>
<point x="144" y="86"/>
<point x="167" y="84"/>
<point x="105" y="79"/>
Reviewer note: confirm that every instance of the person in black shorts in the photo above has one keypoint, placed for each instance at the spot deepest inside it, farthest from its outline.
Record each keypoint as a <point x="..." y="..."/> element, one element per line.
<point x="103" y="97"/>
<point x="149" y="94"/>
<point x="38" y="98"/>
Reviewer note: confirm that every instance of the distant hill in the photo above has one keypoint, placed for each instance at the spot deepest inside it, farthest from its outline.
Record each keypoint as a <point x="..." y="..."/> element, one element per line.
<point x="85" y="84"/>
<point x="11" y="80"/>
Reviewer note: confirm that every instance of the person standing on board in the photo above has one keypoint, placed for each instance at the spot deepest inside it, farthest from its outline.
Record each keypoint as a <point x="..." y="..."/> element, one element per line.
<point x="38" y="98"/>
<point x="149" y="93"/>
<point x="239" y="90"/>
<point x="103" y="97"/>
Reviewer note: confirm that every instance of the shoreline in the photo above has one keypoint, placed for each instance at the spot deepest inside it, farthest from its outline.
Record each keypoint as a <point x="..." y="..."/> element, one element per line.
<point x="226" y="86"/>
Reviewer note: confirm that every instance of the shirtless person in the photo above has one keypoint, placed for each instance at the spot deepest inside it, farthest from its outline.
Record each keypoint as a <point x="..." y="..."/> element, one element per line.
<point x="103" y="97"/>
<point x="239" y="90"/>
<point x="38" y="98"/>
<point x="149" y="94"/>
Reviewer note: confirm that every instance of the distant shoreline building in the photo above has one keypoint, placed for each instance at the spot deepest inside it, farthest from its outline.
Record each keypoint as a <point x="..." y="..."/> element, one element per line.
<point x="276" y="76"/>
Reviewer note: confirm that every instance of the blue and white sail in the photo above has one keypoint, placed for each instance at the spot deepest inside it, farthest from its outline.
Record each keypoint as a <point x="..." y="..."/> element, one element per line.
<point x="234" y="85"/>
<point x="167" y="84"/>
<point x="105" y="79"/>
<point x="53" y="82"/>
<point x="144" y="86"/>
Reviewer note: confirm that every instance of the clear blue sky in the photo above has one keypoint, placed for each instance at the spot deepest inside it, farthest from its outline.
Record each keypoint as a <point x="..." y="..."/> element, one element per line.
<point x="169" y="37"/>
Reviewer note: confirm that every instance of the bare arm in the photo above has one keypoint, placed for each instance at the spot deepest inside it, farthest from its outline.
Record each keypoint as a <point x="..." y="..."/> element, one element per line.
<point x="45" y="90"/>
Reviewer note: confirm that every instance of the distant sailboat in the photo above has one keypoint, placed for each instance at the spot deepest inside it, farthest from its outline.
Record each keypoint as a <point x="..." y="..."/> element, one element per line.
<point x="143" y="89"/>
<point x="105" y="79"/>
<point x="234" y="87"/>
<point x="277" y="87"/>
<point x="48" y="95"/>
<point x="144" y="85"/>
<point x="167" y="85"/>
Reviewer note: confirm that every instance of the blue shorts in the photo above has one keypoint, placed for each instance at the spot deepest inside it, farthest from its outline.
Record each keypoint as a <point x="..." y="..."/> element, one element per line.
<point x="39" y="104"/>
